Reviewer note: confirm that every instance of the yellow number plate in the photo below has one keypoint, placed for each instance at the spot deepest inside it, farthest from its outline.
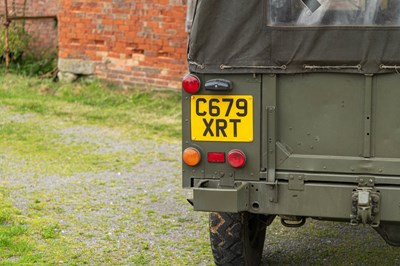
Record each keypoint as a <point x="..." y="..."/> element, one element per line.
<point x="222" y="118"/>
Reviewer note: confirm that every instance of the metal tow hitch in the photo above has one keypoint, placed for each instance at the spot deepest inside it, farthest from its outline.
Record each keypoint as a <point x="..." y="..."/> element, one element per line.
<point x="365" y="207"/>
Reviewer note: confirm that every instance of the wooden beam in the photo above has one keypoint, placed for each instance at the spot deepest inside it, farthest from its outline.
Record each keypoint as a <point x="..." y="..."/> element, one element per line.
<point x="31" y="17"/>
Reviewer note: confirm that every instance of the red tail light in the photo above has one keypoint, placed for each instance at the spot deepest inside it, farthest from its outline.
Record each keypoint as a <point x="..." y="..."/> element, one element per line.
<point x="191" y="83"/>
<point x="236" y="158"/>
<point x="216" y="157"/>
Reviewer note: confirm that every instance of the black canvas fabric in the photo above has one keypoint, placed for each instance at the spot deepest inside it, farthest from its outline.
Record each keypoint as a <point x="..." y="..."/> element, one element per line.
<point x="232" y="36"/>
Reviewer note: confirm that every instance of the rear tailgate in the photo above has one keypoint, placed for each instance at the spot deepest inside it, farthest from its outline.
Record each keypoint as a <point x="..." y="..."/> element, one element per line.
<point x="339" y="123"/>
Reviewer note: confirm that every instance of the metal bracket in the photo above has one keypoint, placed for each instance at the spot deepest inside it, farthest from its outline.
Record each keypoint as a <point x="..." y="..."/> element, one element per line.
<point x="263" y="175"/>
<point x="272" y="188"/>
<point x="271" y="132"/>
<point x="366" y="181"/>
<point x="227" y="179"/>
<point x="365" y="208"/>
<point x="272" y="191"/>
<point x="296" y="182"/>
<point x="202" y="183"/>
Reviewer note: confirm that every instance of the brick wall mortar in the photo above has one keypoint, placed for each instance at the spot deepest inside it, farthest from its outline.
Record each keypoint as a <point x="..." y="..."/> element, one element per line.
<point x="43" y="32"/>
<point x="131" y="42"/>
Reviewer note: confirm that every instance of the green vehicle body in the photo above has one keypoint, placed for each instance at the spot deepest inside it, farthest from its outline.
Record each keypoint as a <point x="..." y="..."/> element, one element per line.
<point x="326" y="121"/>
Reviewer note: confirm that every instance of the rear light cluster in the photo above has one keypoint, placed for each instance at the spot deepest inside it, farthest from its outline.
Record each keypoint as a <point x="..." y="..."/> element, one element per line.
<point x="191" y="83"/>
<point x="216" y="157"/>
<point x="191" y="156"/>
<point x="236" y="158"/>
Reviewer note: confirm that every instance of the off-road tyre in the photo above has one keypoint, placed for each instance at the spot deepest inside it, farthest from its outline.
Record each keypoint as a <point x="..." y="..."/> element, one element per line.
<point x="237" y="238"/>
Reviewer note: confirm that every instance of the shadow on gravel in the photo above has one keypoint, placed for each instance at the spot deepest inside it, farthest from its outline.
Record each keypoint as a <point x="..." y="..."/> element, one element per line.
<point x="326" y="243"/>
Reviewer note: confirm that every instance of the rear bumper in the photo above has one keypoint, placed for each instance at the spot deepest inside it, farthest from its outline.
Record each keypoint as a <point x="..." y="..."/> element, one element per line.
<point x="328" y="201"/>
<point x="222" y="199"/>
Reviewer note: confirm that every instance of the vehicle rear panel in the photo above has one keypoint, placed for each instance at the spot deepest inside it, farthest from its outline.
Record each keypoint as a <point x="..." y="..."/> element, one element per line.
<point x="243" y="86"/>
<point x="318" y="137"/>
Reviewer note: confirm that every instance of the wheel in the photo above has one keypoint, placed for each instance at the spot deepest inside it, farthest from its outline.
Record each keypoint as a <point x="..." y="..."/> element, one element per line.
<point x="238" y="238"/>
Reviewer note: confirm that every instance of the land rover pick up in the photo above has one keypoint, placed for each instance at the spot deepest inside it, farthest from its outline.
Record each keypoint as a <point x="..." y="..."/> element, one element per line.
<point x="291" y="109"/>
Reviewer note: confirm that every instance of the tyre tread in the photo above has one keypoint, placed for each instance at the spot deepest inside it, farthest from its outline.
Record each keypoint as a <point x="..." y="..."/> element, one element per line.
<point x="226" y="241"/>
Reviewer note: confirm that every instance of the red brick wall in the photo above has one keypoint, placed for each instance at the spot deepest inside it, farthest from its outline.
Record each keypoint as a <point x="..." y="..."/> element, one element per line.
<point x="43" y="32"/>
<point x="129" y="42"/>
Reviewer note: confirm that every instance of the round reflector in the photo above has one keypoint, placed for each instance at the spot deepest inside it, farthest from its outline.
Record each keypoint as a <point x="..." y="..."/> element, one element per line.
<point x="236" y="158"/>
<point x="191" y="83"/>
<point x="191" y="156"/>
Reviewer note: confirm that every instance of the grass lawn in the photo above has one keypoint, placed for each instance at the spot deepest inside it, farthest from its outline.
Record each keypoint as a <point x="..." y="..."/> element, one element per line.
<point x="37" y="120"/>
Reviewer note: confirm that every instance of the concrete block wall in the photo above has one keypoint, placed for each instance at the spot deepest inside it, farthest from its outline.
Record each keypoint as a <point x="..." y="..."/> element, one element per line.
<point x="124" y="41"/>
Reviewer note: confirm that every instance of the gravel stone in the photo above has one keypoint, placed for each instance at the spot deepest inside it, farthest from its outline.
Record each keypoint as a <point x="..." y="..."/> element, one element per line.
<point x="113" y="210"/>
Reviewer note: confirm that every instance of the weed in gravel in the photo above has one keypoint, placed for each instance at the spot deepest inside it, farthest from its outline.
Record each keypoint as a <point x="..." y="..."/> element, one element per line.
<point x="19" y="242"/>
<point x="45" y="150"/>
<point x="140" y="259"/>
<point x="89" y="168"/>
<point x="50" y="231"/>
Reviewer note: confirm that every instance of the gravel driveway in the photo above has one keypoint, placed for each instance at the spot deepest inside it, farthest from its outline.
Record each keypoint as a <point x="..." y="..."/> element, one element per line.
<point x="141" y="216"/>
